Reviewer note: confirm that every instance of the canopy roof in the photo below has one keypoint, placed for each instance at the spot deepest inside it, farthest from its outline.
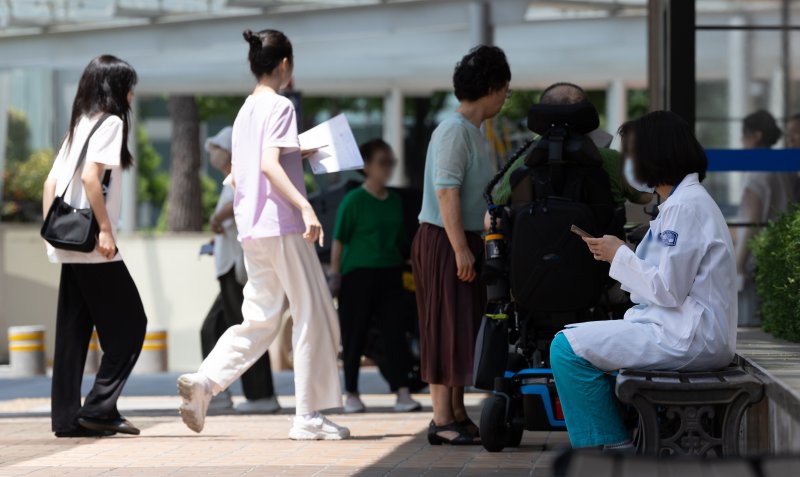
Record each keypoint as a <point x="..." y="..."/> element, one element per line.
<point x="357" y="46"/>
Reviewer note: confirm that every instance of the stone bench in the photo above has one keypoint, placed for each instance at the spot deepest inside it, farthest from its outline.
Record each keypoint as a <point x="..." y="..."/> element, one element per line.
<point x="697" y="413"/>
<point x="584" y="463"/>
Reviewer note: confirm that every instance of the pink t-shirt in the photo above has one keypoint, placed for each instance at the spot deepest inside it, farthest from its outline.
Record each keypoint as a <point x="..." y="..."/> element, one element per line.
<point x="265" y="120"/>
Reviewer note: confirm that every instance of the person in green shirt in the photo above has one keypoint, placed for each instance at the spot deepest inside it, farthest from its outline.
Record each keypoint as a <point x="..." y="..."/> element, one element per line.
<point x="366" y="275"/>
<point x="621" y="191"/>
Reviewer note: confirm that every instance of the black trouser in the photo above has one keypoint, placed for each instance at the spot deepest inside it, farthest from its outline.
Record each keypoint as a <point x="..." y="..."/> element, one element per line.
<point x="226" y="312"/>
<point x="100" y="295"/>
<point x="367" y="296"/>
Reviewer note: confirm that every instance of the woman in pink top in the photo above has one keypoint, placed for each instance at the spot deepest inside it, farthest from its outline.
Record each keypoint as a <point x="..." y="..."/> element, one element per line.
<point x="278" y="229"/>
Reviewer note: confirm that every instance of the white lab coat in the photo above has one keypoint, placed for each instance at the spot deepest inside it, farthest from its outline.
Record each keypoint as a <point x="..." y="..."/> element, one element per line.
<point x="682" y="280"/>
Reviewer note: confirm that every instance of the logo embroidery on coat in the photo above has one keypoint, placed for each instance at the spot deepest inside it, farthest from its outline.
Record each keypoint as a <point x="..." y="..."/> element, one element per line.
<point x="668" y="238"/>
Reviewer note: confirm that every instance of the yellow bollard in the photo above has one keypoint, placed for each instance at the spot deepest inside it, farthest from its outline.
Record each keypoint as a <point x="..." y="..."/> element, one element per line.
<point x="26" y="350"/>
<point x="153" y="358"/>
<point x="93" y="355"/>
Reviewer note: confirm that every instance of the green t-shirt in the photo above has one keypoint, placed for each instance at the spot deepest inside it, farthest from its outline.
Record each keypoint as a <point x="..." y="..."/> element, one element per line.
<point x="612" y="163"/>
<point x="371" y="231"/>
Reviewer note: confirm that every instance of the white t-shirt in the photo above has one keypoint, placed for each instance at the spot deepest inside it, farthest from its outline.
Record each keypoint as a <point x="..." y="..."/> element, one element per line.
<point x="227" y="249"/>
<point x="104" y="148"/>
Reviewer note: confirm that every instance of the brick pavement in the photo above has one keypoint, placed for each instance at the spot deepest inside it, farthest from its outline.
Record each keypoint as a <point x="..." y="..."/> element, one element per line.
<point x="384" y="443"/>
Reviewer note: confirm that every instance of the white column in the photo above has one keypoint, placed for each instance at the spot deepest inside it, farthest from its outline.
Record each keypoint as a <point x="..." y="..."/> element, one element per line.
<point x="5" y="93"/>
<point x="130" y="183"/>
<point x="776" y="99"/>
<point x="738" y="97"/>
<point x="616" y="105"/>
<point x="480" y="26"/>
<point x="394" y="133"/>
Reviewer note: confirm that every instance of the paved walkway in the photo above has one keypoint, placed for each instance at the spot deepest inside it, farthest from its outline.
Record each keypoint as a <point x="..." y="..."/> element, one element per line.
<point x="384" y="443"/>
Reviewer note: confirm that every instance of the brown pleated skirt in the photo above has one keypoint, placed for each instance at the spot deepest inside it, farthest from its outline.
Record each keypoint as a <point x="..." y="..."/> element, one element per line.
<point x="449" y="310"/>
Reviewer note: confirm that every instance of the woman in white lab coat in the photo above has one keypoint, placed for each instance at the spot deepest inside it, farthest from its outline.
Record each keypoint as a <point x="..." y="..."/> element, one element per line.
<point x="681" y="278"/>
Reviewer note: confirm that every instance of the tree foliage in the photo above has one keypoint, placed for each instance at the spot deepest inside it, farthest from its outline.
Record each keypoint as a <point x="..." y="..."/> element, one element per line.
<point x="153" y="181"/>
<point x="22" y="194"/>
<point x="19" y="137"/>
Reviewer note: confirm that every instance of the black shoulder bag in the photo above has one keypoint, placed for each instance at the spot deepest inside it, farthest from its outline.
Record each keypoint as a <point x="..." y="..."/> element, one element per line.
<point x="66" y="227"/>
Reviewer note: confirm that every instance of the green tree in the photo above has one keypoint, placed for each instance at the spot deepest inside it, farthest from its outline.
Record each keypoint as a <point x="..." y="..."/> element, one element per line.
<point x="153" y="181"/>
<point x="218" y="107"/>
<point x="23" y="191"/>
<point x="185" y="192"/>
<point x="19" y="136"/>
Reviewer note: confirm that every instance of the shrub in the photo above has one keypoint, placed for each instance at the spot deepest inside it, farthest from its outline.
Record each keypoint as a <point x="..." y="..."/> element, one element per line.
<point x="19" y="137"/>
<point x="24" y="182"/>
<point x="777" y="253"/>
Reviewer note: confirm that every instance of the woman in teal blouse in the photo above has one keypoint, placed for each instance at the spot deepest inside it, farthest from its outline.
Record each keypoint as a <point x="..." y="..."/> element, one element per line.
<point x="448" y="244"/>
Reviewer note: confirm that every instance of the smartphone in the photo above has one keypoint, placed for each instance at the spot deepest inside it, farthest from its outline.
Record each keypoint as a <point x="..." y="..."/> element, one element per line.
<point x="207" y="249"/>
<point x="580" y="232"/>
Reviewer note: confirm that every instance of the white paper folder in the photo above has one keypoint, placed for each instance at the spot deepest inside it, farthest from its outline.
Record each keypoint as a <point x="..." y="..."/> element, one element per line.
<point x="338" y="150"/>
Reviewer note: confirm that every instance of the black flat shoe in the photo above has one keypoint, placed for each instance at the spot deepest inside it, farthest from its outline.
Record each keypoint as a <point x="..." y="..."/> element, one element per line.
<point x="84" y="432"/>
<point x="463" y="438"/>
<point x="122" y="426"/>
<point x="470" y="427"/>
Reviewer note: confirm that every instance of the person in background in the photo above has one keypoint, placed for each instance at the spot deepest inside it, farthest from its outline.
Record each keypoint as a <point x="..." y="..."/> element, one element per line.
<point x="96" y="289"/>
<point x="564" y="93"/>
<point x="278" y="229"/>
<point x="766" y="195"/>
<point x="367" y="276"/>
<point x="448" y="244"/>
<point x="229" y="263"/>
<point x="793" y="132"/>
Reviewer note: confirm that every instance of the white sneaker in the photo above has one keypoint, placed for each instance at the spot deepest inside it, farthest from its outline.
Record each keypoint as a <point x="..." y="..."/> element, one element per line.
<point x="259" y="406"/>
<point x="407" y="406"/>
<point x="221" y="402"/>
<point x="193" y="388"/>
<point x="404" y="402"/>
<point x="317" y="428"/>
<point x="353" y="404"/>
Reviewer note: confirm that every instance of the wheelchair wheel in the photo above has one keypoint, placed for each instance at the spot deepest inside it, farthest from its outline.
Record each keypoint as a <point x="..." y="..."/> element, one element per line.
<point x="495" y="431"/>
<point x="516" y="430"/>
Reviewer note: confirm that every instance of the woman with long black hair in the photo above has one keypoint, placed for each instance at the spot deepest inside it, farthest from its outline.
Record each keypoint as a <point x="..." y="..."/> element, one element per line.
<point x="96" y="289"/>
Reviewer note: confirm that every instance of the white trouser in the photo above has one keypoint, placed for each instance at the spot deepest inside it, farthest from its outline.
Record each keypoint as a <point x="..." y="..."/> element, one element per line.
<point x="279" y="268"/>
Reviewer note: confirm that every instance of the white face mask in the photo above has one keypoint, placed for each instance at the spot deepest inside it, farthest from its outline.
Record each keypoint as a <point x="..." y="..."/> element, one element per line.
<point x="630" y="177"/>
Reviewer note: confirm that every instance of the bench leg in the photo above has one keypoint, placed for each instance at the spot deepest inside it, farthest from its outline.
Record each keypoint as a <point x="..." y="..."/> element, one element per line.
<point x="731" y="424"/>
<point x="647" y="440"/>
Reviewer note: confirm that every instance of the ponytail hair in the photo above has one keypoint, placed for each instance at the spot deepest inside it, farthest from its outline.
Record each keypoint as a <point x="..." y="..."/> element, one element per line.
<point x="268" y="48"/>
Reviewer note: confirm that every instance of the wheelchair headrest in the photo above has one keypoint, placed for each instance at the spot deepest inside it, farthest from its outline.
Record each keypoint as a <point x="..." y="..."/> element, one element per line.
<point x="580" y="117"/>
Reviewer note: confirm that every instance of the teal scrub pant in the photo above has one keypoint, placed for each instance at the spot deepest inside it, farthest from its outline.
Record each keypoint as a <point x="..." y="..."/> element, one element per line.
<point x="587" y="398"/>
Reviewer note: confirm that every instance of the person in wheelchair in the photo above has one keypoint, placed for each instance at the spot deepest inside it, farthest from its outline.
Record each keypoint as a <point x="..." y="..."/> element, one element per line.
<point x="564" y="93"/>
<point x="681" y="278"/>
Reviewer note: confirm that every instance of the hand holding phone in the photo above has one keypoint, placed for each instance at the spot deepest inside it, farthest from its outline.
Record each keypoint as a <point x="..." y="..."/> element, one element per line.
<point x="207" y="249"/>
<point x="580" y="232"/>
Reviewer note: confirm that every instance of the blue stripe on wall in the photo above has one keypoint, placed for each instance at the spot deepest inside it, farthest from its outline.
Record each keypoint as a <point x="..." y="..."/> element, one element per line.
<point x="765" y="160"/>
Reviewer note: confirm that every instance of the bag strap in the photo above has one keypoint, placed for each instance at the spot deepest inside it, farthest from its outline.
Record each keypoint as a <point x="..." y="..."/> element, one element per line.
<point x="85" y="149"/>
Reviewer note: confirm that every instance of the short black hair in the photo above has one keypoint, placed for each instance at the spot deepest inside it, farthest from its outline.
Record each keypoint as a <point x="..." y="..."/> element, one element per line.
<point x="562" y="93"/>
<point x="762" y="121"/>
<point x="369" y="148"/>
<point x="267" y="49"/>
<point x="482" y="71"/>
<point x="663" y="148"/>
